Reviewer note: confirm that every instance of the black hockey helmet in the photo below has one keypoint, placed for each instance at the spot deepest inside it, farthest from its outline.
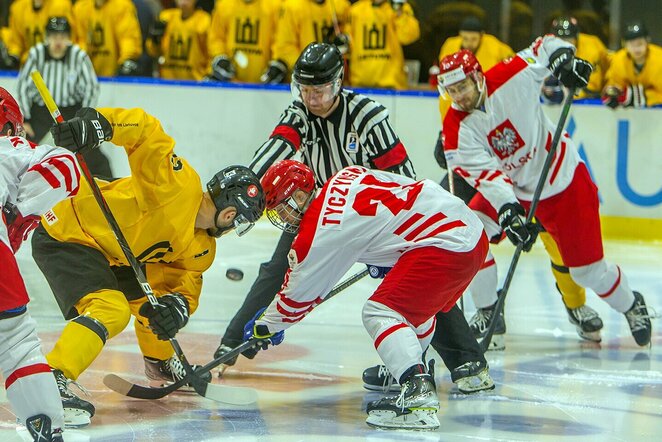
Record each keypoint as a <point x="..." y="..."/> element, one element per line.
<point x="565" y="27"/>
<point x="634" y="30"/>
<point x="58" y="25"/>
<point x="319" y="63"/>
<point x="239" y="187"/>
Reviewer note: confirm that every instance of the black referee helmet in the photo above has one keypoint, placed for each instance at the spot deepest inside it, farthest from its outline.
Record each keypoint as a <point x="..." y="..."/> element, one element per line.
<point x="319" y="63"/>
<point x="58" y="25"/>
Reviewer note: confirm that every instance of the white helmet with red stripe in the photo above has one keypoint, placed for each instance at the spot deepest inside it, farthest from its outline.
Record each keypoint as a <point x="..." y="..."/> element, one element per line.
<point x="10" y="113"/>
<point x="456" y="67"/>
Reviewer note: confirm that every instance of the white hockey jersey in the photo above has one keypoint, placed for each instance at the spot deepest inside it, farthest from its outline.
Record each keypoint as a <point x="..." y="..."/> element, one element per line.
<point x="34" y="178"/>
<point x="366" y="216"/>
<point x="500" y="149"/>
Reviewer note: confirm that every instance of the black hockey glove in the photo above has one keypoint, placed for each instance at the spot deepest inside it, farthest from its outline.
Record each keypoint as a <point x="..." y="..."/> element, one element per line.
<point x="513" y="222"/>
<point x="129" y="68"/>
<point x="573" y="72"/>
<point x="157" y="30"/>
<point x="275" y="73"/>
<point x="88" y="129"/>
<point x="222" y="69"/>
<point x="168" y="317"/>
<point x="439" y="152"/>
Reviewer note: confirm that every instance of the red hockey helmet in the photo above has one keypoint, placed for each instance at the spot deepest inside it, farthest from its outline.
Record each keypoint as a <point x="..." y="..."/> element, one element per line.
<point x="280" y="182"/>
<point x="10" y="112"/>
<point x="456" y="67"/>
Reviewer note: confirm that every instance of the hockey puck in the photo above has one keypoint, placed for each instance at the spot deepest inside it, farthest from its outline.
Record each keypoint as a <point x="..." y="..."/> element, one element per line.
<point x="234" y="274"/>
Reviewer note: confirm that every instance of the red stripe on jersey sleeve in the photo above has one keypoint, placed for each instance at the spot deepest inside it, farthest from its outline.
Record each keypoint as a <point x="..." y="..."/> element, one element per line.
<point x="481" y="204"/>
<point x="26" y="371"/>
<point x="47" y="175"/>
<point x="395" y="156"/>
<point x="502" y="72"/>
<point x="289" y="133"/>
<point x="59" y="163"/>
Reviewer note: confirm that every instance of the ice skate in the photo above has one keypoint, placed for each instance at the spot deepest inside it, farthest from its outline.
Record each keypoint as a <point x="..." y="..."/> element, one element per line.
<point x="220" y="351"/>
<point x="163" y="372"/>
<point x="480" y="322"/>
<point x="472" y="377"/>
<point x="639" y="320"/>
<point x="378" y="378"/>
<point x="77" y="411"/>
<point x="586" y="321"/>
<point x="415" y="408"/>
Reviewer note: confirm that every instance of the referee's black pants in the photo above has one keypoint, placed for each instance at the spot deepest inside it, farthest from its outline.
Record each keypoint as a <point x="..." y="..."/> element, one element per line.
<point x="41" y="122"/>
<point x="452" y="338"/>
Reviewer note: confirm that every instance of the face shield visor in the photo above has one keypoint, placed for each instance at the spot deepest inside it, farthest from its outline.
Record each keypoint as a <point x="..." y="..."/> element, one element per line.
<point x="316" y="94"/>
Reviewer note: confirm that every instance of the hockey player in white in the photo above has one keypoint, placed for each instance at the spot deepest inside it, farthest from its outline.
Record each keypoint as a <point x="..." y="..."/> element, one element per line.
<point x="32" y="179"/>
<point x="496" y="136"/>
<point x="432" y="243"/>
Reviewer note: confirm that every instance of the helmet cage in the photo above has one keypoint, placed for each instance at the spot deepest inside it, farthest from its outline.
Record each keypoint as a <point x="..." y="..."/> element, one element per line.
<point x="286" y="216"/>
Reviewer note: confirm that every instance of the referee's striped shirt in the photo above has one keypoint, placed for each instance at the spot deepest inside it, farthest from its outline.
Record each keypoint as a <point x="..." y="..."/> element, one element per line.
<point x="357" y="132"/>
<point x="71" y="79"/>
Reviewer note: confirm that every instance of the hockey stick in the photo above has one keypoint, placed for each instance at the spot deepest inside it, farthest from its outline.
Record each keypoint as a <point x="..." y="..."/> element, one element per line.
<point x="485" y="343"/>
<point x="199" y="384"/>
<point x="235" y="394"/>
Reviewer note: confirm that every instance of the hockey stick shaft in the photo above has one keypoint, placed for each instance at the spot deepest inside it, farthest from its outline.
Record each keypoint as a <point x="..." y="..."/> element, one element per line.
<point x="112" y="222"/>
<point x="498" y="309"/>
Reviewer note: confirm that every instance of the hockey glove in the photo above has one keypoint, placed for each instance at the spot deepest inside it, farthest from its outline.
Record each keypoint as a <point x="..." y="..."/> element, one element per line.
<point x="88" y="129"/>
<point x="275" y="73"/>
<point x="513" y="222"/>
<point x="378" y="272"/>
<point x="222" y="69"/>
<point x="168" y="317"/>
<point x="552" y="92"/>
<point x="129" y="68"/>
<point x="157" y="31"/>
<point x="262" y="332"/>
<point x="573" y="72"/>
<point x="632" y="96"/>
<point x="18" y="226"/>
<point x="439" y="152"/>
<point x="341" y="41"/>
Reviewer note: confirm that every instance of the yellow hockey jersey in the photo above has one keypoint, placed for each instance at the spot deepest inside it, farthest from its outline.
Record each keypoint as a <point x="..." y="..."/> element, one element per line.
<point x="621" y="73"/>
<point x="591" y="49"/>
<point x="155" y="207"/>
<point x="490" y="52"/>
<point x="110" y="34"/>
<point x="183" y="46"/>
<point x="245" y="33"/>
<point x="306" y="21"/>
<point x="377" y="35"/>
<point x="28" y="26"/>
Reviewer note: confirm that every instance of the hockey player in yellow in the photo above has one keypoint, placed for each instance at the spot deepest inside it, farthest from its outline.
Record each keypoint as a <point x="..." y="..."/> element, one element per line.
<point x="303" y="22"/>
<point x="378" y="29"/>
<point x="179" y="39"/>
<point x="169" y="222"/>
<point x="241" y="38"/>
<point x="27" y="21"/>
<point x="634" y="77"/>
<point x="109" y="32"/>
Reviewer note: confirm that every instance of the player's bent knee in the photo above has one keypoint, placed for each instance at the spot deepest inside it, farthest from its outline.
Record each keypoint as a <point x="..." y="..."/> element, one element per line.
<point x="590" y="275"/>
<point x="105" y="312"/>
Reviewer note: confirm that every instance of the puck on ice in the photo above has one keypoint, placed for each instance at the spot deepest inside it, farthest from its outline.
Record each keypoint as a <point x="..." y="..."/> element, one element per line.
<point x="234" y="274"/>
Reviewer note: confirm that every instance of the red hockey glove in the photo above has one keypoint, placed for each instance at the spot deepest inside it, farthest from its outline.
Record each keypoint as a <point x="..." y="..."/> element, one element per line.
<point x="18" y="226"/>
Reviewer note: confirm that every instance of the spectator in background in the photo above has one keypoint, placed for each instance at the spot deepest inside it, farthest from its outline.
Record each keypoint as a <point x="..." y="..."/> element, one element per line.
<point x="634" y="78"/>
<point x="70" y="77"/>
<point x="303" y="22"/>
<point x="179" y="40"/>
<point x="377" y="31"/>
<point x="589" y="48"/>
<point x="241" y="39"/>
<point x="109" y="31"/>
<point x="27" y="20"/>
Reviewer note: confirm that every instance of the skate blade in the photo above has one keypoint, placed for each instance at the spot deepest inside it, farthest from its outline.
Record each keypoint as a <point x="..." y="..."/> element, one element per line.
<point x="475" y="384"/>
<point x="75" y="418"/>
<point x="423" y="419"/>
<point x="498" y="343"/>
<point x="589" y="336"/>
<point x="393" y="389"/>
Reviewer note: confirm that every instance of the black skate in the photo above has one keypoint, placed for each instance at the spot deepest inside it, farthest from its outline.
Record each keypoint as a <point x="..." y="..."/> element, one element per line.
<point x="586" y="321"/>
<point x="378" y="378"/>
<point x="39" y="427"/>
<point x="472" y="377"/>
<point x="480" y="322"/>
<point x="415" y="408"/>
<point x="163" y="372"/>
<point x="639" y="320"/>
<point x="220" y="351"/>
<point x="77" y="412"/>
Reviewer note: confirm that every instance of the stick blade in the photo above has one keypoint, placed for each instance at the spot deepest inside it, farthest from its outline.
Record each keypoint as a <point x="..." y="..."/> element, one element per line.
<point x="231" y="395"/>
<point x="126" y="388"/>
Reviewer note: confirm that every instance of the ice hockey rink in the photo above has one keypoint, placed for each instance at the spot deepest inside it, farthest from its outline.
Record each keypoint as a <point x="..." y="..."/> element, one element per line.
<point x="550" y="385"/>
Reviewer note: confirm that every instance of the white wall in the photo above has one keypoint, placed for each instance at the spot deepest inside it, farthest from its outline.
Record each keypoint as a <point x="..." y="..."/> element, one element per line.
<point x="217" y="126"/>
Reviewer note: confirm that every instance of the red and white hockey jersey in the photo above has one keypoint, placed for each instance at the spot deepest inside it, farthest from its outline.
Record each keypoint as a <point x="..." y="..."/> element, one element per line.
<point x="500" y="149"/>
<point x="34" y="178"/>
<point x="366" y="216"/>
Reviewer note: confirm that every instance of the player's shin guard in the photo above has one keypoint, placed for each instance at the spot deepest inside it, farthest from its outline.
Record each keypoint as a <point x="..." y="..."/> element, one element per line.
<point x="31" y="389"/>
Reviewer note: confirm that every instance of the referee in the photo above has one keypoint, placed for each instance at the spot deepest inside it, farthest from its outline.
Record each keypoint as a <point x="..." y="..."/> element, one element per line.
<point x="332" y="128"/>
<point x="69" y="75"/>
